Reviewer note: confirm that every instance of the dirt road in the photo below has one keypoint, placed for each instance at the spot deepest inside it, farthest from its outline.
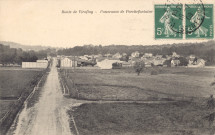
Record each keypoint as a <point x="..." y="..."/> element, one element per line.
<point x="48" y="116"/>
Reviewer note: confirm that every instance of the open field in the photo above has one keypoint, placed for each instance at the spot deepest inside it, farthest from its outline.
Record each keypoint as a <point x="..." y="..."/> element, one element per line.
<point x="5" y="105"/>
<point x="15" y="86"/>
<point x="14" y="82"/>
<point x="187" y="115"/>
<point x="124" y="84"/>
<point x="177" y="118"/>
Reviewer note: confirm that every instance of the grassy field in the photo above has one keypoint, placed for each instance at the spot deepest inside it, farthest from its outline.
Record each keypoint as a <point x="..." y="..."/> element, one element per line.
<point x="5" y="105"/>
<point x="188" y="115"/>
<point x="178" y="118"/>
<point x="14" y="82"/>
<point x="124" y="84"/>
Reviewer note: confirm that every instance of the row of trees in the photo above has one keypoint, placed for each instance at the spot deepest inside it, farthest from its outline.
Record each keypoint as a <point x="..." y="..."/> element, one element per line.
<point x="17" y="56"/>
<point x="203" y="50"/>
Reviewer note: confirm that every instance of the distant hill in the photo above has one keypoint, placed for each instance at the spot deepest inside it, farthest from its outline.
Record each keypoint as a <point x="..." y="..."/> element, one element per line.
<point x="25" y="47"/>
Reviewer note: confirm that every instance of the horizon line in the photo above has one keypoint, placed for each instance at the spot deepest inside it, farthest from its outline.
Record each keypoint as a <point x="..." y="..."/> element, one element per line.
<point x="49" y="46"/>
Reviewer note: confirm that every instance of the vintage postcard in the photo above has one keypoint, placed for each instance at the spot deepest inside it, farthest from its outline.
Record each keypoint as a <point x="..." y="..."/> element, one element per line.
<point x="107" y="67"/>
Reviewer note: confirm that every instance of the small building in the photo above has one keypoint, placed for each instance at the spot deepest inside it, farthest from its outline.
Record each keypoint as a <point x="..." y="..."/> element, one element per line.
<point x="148" y="55"/>
<point x="106" y="63"/>
<point x="124" y="54"/>
<point x="192" y="59"/>
<point x="135" y="54"/>
<point x="175" y="63"/>
<point x="197" y="63"/>
<point x="84" y="57"/>
<point x="108" y="55"/>
<point x="34" y="64"/>
<point x="158" y="62"/>
<point x="68" y="62"/>
<point x="175" y="55"/>
<point x="117" y="55"/>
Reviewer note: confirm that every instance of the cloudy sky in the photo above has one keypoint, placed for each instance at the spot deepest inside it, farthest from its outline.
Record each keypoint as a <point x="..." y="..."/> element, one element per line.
<point x="42" y="22"/>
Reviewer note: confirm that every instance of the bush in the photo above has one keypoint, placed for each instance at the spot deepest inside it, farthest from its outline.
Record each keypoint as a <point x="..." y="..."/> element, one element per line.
<point x="183" y="61"/>
<point x="139" y="67"/>
<point x="167" y="62"/>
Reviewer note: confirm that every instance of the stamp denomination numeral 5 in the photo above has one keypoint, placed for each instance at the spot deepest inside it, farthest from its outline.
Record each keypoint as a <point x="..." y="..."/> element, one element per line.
<point x="159" y="31"/>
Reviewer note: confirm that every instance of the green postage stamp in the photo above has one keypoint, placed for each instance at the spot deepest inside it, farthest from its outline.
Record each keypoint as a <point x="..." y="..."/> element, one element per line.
<point x="197" y="20"/>
<point x="168" y="21"/>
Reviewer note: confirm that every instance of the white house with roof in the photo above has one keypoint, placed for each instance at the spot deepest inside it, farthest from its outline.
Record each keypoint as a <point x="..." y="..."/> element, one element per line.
<point x="107" y="63"/>
<point x="148" y="55"/>
<point x="117" y="55"/>
<point x="175" y="62"/>
<point x="108" y="55"/>
<point x="124" y="54"/>
<point x="158" y="62"/>
<point x="192" y="59"/>
<point x="84" y="57"/>
<point x="34" y="64"/>
<point x="197" y="63"/>
<point x="38" y="64"/>
<point x="68" y="62"/>
<point x="175" y="55"/>
<point x="135" y="54"/>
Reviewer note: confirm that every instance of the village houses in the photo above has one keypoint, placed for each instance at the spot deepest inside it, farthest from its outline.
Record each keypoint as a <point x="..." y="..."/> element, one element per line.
<point x="135" y="54"/>
<point x="105" y="62"/>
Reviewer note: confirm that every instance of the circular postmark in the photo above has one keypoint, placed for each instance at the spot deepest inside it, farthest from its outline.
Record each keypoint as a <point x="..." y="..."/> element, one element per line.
<point x="193" y="14"/>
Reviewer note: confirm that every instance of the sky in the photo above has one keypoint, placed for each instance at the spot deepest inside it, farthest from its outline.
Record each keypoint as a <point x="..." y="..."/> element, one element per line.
<point x="42" y="22"/>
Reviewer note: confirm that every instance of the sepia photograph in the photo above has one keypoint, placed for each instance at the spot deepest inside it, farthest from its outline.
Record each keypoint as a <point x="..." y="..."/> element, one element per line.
<point x="107" y="67"/>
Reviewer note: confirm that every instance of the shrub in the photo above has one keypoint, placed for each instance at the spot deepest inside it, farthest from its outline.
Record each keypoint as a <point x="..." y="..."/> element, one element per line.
<point x="183" y="61"/>
<point x="139" y="67"/>
<point x="167" y="62"/>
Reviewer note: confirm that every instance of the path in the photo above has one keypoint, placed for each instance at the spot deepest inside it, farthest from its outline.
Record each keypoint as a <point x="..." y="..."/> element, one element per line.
<point x="48" y="116"/>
